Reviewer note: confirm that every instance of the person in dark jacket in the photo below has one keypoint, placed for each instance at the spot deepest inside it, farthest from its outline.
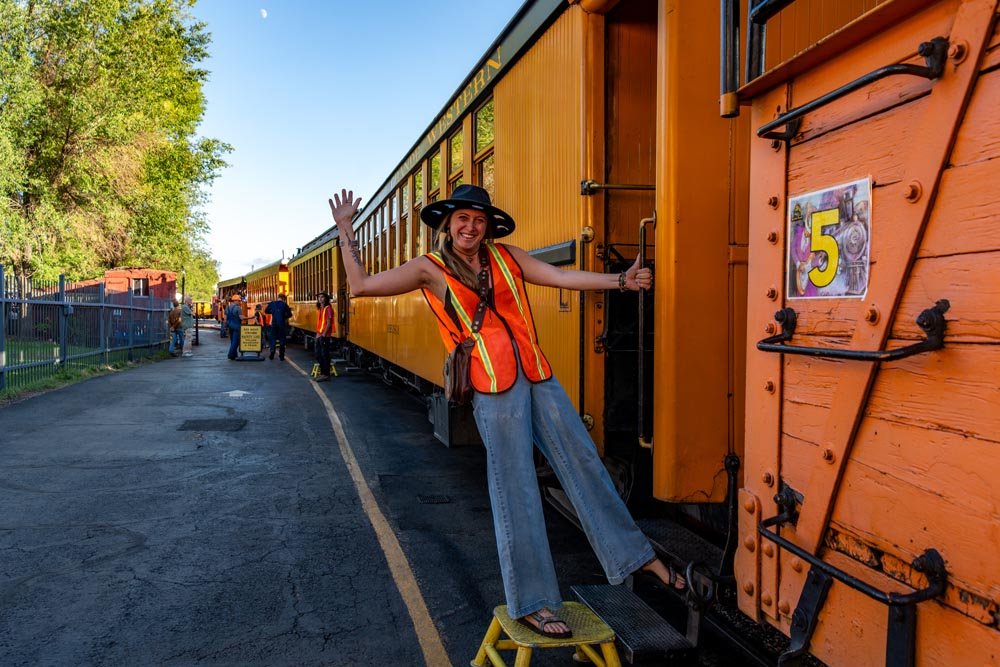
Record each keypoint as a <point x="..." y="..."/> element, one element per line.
<point x="280" y="314"/>
<point x="234" y="320"/>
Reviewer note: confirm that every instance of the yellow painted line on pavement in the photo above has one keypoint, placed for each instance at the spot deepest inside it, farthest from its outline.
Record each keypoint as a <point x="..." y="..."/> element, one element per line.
<point x="427" y="634"/>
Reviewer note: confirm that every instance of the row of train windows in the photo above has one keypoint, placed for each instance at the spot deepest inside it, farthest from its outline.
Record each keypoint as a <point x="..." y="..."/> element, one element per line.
<point x="313" y="276"/>
<point x="263" y="289"/>
<point x="392" y="234"/>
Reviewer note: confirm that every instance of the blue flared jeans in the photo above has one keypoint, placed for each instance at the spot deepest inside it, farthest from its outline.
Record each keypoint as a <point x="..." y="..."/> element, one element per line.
<point x="541" y="415"/>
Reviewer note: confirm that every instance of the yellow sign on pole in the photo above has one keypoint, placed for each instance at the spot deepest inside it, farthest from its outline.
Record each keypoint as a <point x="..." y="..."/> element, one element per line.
<point x="251" y="339"/>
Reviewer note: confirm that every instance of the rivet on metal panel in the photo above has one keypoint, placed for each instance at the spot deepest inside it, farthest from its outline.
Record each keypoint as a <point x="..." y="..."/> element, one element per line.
<point x="829" y="456"/>
<point x="913" y="192"/>
<point x="768" y="550"/>
<point x="796" y="564"/>
<point x="784" y="607"/>
<point x="871" y="315"/>
<point x="749" y="506"/>
<point x="769" y="387"/>
<point x="748" y="588"/>
<point x="772" y="236"/>
<point x="766" y="599"/>
<point x="769" y="328"/>
<point x="749" y="543"/>
<point x="958" y="51"/>
<point x="772" y="202"/>
<point x="767" y="478"/>
<point x="772" y="293"/>
<point x="599" y="305"/>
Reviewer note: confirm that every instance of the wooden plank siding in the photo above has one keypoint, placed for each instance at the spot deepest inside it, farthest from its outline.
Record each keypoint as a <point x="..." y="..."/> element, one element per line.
<point x="921" y="468"/>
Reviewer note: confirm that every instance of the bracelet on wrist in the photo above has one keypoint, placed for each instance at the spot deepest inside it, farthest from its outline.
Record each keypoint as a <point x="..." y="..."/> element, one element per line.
<point x="621" y="282"/>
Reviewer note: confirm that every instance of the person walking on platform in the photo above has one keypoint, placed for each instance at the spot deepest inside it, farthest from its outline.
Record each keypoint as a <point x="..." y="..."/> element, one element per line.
<point x="324" y="335"/>
<point x="517" y="401"/>
<point x="281" y="315"/>
<point x="187" y="324"/>
<point x="234" y="320"/>
<point x="176" y="331"/>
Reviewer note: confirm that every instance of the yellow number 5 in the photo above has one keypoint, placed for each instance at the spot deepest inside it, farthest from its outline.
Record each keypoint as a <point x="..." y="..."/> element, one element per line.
<point x="826" y="244"/>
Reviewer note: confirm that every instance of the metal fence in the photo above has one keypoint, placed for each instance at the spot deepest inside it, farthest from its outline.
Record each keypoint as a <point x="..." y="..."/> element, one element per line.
<point x="52" y="326"/>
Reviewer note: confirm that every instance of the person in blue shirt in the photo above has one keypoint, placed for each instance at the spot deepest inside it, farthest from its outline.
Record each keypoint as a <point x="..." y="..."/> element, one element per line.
<point x="234" y="320"/>
<point x="280" y="314"/>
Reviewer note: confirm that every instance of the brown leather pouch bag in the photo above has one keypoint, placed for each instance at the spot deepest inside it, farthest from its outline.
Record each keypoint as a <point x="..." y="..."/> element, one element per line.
<point x="457" y="367"/>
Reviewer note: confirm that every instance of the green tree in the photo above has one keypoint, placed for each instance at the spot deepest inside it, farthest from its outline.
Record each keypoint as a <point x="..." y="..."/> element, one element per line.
<point x="99" y="106"/>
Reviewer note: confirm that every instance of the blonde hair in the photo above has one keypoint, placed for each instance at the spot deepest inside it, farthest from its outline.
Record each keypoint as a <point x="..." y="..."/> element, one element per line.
<point x="457" y="265"/>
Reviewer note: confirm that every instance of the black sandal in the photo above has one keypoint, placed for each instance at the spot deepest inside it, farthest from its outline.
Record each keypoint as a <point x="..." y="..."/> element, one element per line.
<point x="677" y="584"/>
<point x="544" y="621"/>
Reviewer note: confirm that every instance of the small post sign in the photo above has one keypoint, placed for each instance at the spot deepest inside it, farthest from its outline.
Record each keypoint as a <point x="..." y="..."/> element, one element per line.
<point x="829" y="234"/>
<point x="251" y="339"/>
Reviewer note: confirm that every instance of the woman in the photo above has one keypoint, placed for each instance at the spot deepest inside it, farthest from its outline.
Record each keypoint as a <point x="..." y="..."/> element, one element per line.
<point x="324" y="335"/>
<point x="517" y="402"/>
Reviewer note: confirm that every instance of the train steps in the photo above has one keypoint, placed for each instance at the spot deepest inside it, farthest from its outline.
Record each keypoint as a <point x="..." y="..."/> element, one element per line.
<point x="641" y="634"/>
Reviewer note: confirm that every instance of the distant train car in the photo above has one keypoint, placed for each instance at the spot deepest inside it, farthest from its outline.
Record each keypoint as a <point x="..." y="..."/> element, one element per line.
<point x="263" y="285"/>
<point x="205" y="310"/>
<point x="225" y="289"/>
<point x="315" y="268"/>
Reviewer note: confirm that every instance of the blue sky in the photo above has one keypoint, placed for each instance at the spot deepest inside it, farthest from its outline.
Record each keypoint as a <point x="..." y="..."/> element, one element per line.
<point x="323" y="94"/>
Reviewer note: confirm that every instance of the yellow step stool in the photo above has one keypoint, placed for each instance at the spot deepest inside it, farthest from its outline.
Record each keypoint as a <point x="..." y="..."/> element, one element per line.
<point x="588" y="632"/>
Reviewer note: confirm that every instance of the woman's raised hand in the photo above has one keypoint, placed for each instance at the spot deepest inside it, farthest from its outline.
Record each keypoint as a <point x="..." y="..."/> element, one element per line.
<point x="638" y="277"/>
<point x="343" y="207"/>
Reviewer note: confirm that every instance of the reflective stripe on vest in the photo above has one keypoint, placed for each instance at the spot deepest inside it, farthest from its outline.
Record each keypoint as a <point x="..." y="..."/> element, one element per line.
<point x="321" y="320"/>
<point x="494" y="368"/>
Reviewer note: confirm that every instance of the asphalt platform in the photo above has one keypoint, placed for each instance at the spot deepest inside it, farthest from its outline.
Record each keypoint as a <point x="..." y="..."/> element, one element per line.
<point x="199" y="511"/>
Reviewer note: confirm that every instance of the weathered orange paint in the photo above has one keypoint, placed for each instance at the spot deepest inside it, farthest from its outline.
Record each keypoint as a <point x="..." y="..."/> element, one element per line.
<point x="892" y="458"/>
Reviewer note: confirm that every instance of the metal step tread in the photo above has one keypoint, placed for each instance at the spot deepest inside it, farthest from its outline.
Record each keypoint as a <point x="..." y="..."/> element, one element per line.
<point x="641" y="633"/>
<point x="678" y="543"/>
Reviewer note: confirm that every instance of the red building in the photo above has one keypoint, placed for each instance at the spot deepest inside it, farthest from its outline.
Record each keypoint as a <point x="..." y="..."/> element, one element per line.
<point x="154" y="283"/>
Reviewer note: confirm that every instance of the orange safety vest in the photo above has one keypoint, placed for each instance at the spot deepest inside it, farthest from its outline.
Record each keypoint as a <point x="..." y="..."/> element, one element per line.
<point x="494" y="368"/>
<point x="324" y="313"/>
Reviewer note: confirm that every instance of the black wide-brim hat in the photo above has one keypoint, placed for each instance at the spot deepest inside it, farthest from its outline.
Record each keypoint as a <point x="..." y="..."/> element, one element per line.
<point x="469" y="196"/>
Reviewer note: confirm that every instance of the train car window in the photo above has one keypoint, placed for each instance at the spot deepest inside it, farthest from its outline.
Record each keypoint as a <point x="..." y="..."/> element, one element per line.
<point x="484" y="174"/>
<point x="140" y="287"/>
<point x="418" y="188"/>
<point x="455" y="145"/>
<point x="404" y="222"/>
<point x="393" y="244"/>
<point x="454" y="184"/>
<point x="435" y="177"/>
<point x="484" y="127"/>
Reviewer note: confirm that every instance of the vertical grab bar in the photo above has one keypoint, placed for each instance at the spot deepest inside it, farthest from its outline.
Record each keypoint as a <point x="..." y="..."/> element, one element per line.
<point x="643" y="441"/>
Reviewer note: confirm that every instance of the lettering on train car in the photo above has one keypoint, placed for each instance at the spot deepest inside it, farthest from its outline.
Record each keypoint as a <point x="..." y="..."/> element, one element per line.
<point x="392" y="329"/>
<point x="829" y="242"/>
<point x="458" y="107"/>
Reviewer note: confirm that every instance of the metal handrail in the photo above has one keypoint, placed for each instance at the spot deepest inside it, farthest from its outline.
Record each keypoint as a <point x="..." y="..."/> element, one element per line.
<point x="643" y="441"/>
<point x="935" y="53"/>
<point x="931" y="321"/>
<point x="929" y="563"/>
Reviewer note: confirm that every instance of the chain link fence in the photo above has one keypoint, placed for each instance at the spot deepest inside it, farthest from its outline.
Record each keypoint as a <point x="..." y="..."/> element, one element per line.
<point x="49" y="327"/>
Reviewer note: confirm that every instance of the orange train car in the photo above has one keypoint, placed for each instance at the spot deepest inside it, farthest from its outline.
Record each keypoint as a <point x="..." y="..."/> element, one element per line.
<point x="807" y="394"/>
<point x="263" y="285"/>
<point x="316" y="267"/>
<point x="869" y="511"/>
